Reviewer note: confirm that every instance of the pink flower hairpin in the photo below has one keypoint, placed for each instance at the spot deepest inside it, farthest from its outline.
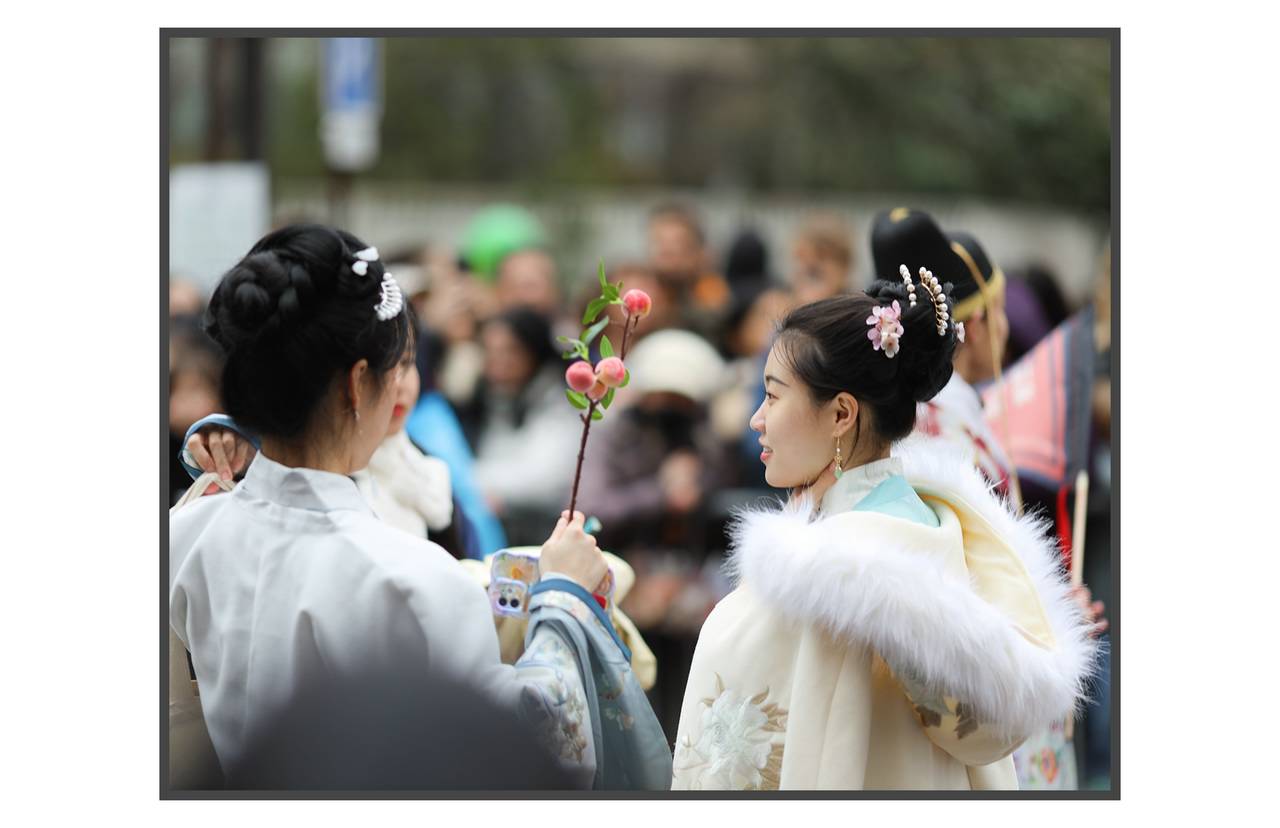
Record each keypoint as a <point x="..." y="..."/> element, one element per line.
<point x="885" y="328"/>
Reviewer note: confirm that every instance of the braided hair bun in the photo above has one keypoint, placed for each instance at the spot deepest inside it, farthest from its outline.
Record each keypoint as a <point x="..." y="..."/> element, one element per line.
<point x="291" y="316"/>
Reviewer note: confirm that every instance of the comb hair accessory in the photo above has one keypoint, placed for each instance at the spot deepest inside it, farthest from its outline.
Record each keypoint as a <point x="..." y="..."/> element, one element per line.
<point x="911" y="288"/>
<point x="934" y="289"/>
<point x="363" y="257"/>
<point x="392" y="300"/>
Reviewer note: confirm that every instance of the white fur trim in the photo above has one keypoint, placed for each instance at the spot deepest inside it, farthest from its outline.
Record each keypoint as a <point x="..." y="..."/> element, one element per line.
<point x="920" y="618"/>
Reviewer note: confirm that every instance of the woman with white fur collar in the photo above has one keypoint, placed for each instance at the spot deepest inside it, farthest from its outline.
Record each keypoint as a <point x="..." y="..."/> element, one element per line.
<point x="894" y="625"/>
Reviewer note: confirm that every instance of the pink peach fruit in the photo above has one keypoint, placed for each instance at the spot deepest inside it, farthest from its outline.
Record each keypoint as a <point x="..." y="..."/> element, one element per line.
<point x="611" y="371"/>
<point x="637" y="303"/>
<point x="580" y="376"/>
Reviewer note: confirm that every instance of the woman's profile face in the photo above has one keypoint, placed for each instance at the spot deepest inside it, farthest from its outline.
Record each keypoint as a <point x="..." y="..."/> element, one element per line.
<point x="408" y="385"/>
<point x="797" y="441"/>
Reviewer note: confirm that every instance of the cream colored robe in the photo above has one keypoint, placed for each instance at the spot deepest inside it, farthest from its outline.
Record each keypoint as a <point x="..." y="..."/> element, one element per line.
<point x="863" y="651"/>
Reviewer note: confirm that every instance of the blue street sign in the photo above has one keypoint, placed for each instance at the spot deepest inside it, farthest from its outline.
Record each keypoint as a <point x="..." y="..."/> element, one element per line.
<point x="351" y="74"/>
<point x="351" y="96"/>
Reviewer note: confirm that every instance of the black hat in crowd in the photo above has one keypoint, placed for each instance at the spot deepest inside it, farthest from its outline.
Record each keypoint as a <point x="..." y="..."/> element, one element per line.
<point x="904" y="236"/>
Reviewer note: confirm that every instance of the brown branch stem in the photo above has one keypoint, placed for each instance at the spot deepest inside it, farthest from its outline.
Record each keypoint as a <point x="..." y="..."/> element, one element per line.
<point x="626" y="329"/>
<point x="582" y="453"/>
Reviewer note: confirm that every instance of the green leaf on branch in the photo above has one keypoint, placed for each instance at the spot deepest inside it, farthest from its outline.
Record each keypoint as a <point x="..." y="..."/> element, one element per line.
<point x="577" y="348"/>
<point x="606" y="347"/>
<point x="608" y="398"/>
<point x="604" y="283"/>
<point x="626" y="378"/>
<point x="593" y="310"/>
<point x="611" y="292"/>
<point x="597" y="414"/>
<point x="578" y="400"/>
<point x="594" y="331"/>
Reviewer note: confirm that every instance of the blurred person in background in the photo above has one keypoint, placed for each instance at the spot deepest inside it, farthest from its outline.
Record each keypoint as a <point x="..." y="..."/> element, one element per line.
<point x="821" y="259"/>
<point x="409" y="489"/>
<point x="185" y="298"/>
<point x="1028" y="322"/>
<point x="528" y="278"/>
<point x="1094" y="749"/>
<point x="903" y="236"/>
<point x="750" y="331"/>
<point x="647" y="478"/>
<point x="290" y="582"/>
<point x="433" y="425"/>
<point x="757" y="302"/>
<point x="454" y="307"/>
<point x="195" y="371"/>
<point x="679" y="256"/>
<point x="523" y="433"/>
<point x="1034" y="305"/>
<point x="976" y="290"/>
<point x="464" y="295"/>
<point x="746" y="265"/>
<point x="495" y="232"/>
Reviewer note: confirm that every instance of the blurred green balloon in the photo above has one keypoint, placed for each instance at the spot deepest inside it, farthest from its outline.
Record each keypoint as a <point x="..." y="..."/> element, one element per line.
<point x="496" y="232"/>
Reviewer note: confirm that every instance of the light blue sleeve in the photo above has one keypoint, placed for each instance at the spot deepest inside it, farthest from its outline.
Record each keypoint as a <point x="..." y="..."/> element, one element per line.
<point x="222" y="420"/>
<point x="630" y="750"/>
<point x="556" y="701"/>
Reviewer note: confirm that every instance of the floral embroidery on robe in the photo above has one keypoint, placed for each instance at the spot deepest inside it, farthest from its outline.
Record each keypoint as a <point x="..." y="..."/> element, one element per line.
<point x="567" y="730"/>
<point x="735" y="749"/>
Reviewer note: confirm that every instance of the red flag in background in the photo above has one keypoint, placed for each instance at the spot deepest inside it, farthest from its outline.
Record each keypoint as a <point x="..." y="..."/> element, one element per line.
<point x="1041" y="412"/>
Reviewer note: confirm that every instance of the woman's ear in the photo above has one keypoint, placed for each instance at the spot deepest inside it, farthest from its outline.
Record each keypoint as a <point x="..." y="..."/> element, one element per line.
<point x="355" y="383"/>
<point x="846" y="413"/>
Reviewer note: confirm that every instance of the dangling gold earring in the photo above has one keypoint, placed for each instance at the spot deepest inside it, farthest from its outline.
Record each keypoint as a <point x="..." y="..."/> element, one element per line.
<point x="839" y="460"/>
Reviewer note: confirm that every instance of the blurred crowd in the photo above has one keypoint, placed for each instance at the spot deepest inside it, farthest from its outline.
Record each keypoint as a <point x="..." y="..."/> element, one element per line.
<point x="674" y="456"/>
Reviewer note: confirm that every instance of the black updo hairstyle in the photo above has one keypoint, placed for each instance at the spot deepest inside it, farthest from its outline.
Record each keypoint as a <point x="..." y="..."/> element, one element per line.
<point x="291" y="317"/>
<point x="825" y="344"/>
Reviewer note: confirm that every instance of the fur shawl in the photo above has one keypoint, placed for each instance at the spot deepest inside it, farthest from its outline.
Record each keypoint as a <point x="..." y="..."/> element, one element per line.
<point x="923" y="620"/>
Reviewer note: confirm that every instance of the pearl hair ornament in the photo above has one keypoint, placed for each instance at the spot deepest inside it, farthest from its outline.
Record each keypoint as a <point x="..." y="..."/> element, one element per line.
<point x="363" y="257"/>
<point x="391" y="301"/>
<point x="911" y="288"/>
<point x="934" y="289"/>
